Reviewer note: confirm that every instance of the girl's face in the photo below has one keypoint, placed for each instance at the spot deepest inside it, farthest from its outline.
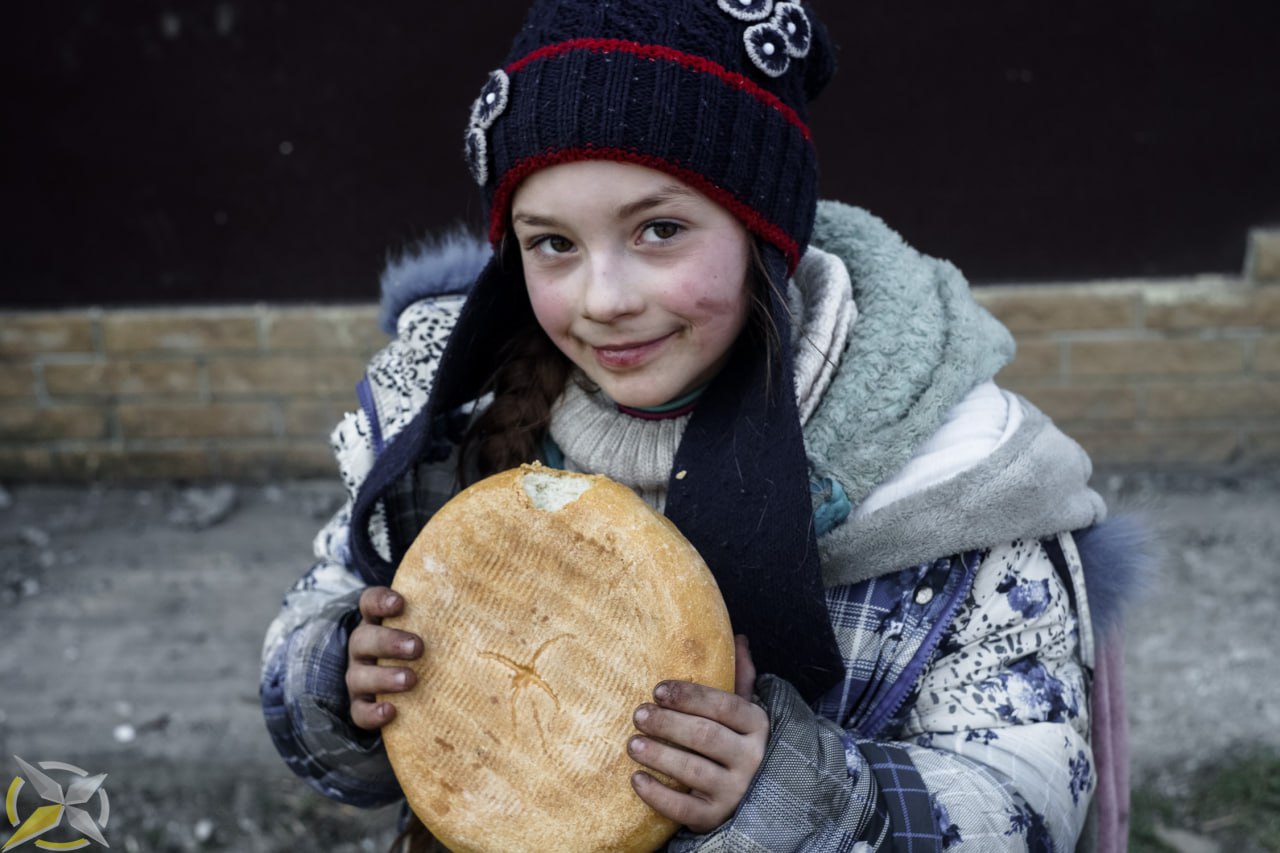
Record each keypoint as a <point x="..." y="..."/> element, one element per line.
<point x="638" y="278"/>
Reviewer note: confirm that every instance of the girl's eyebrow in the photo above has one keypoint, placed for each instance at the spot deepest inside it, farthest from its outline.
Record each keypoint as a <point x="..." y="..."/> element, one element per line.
<point x="535" y="220"/>
<point x="669" y="193"/>
<point x="665" y="195"/>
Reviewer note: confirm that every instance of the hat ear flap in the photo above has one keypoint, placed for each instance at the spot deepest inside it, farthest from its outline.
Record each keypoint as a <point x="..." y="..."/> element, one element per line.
<point x="820" y="64"/>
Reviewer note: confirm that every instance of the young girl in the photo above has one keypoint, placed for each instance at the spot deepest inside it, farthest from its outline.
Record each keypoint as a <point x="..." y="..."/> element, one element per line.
<point x="805" y="396"/>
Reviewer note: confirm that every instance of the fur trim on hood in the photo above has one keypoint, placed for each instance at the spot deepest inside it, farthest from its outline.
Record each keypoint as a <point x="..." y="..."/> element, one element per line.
<point x="437" y="266"/>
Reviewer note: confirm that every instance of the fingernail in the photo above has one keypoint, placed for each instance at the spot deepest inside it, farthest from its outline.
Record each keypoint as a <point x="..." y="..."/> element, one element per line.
<point x="402" y="678"/>
<point x="642" y="714"/>
<point x="407" y="647"/>
<point x="390" y="599"/>
<point x="636" y="745"/>
<point x="662" y="692"/>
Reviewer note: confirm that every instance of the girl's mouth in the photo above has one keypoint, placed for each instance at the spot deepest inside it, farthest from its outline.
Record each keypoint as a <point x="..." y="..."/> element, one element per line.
<point x="628" y="355"/>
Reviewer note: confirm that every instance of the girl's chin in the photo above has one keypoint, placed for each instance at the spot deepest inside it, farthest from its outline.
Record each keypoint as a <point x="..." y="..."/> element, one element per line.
<point x="637" y="397"/>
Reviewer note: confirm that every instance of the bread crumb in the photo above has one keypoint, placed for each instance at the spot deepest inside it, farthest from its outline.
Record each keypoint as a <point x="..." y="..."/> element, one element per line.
<point x="681" y="475"/>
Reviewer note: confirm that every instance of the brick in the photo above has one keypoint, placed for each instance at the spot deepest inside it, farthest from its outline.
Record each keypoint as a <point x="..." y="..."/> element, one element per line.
<point x="1035" y="359"/>
<point x="33" y="423"/>
<point x="1155" y="358"/>
<point x="1234" y="399"/>
<point x="1266" y="357"/>
<point x="25" y="464"/>
<point x="1054" y="308"/>
<point x="300" y="376"/>
<point x="189" y="331"/>
<point x="17" y="380"/>
<point x="35" y="333"/>
<point x="1212" y="306"/>
<point x="193" y="462"/>
<point x="294" y="460"/>
<point x="314" y="420"/>
<point x="1102" y="403"/>
<point x="100" y="378"/>
<point x="337" y="329"/>
<point x="1142" y="446"/>
<point x="1263" y="264"/>
<point x="196" y="420"/>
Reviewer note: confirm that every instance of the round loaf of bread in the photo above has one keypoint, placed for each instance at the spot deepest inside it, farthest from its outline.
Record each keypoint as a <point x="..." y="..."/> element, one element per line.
<point x="550" y="605"/>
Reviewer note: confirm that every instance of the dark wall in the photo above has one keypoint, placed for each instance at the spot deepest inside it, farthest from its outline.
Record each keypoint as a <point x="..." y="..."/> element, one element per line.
<point x="202" y="151"/>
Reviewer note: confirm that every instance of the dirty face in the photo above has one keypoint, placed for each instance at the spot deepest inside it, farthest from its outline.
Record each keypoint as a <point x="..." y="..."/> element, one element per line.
<point x="639" y="279"/>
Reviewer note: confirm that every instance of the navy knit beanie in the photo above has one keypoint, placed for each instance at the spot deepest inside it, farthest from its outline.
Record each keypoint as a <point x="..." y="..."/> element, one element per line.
<point x="712" y="92"/>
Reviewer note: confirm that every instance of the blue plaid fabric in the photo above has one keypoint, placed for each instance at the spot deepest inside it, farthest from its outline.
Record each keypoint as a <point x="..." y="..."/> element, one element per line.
<point x="906" y="798"/>
<point x="306" y="707"/>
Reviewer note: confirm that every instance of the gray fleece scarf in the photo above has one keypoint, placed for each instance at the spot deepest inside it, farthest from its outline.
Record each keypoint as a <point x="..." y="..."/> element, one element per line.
<point x="920" y="345"/>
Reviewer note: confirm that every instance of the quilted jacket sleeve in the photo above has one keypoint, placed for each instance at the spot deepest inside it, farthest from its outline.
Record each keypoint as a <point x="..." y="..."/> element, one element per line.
<point x="303" y="687"/>
<point x="987" y="751"/>
<point x="304" y="657"/>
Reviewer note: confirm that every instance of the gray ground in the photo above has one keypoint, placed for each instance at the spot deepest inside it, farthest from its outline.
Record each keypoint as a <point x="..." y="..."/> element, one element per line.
<point x="131" y="620"/>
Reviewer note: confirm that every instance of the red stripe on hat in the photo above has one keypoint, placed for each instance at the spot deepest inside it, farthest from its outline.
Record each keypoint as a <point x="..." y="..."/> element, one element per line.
<point x="749" y="216"/>
<point x="654" y="51"/>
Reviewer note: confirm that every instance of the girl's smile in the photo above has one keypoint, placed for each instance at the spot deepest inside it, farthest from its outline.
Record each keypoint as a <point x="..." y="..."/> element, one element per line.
<point x="639" y="279"/>
<point x="624" y="356"/>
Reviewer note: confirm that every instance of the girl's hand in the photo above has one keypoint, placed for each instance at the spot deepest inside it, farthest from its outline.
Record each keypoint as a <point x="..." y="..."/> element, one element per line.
<point x="706" y="739"/>
<point x="370" y="641"/>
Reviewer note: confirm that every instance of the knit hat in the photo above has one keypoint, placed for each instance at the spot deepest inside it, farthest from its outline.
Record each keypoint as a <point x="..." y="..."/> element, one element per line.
<point x="712" y="92"/>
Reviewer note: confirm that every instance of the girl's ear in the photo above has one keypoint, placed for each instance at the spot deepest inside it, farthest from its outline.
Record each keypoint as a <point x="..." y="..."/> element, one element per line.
<point x="820" y="64"/>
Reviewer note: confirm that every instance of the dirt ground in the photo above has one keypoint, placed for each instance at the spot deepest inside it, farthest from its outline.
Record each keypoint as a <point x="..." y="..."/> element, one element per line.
<point x="131" y="621"/>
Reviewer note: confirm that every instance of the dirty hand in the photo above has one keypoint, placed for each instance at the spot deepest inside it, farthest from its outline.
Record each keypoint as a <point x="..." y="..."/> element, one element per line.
<point x="370" y="641"/>
<point x="706" y="739"/>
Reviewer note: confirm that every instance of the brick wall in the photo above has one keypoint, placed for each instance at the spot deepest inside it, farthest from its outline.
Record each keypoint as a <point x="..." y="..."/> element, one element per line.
<point x="241" y="392"/>
<point x="1176" y="372"/>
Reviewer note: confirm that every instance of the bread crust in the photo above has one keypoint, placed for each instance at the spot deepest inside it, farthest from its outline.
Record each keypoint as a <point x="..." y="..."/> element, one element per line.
<point x="544" y="629"/>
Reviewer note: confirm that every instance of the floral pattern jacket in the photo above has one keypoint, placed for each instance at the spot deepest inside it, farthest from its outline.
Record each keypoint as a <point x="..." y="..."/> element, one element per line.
<point x="962" y="722"/>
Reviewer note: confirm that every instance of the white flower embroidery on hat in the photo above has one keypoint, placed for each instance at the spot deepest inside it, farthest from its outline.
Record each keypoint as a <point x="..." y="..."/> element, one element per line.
<point x="767" y="47"/>
<point x="491" y="103"/>
<point x="477" y="154"/>
<point x="492" y="100"/>
<point x="791" y="19"/>
<point x="747" y="10"/>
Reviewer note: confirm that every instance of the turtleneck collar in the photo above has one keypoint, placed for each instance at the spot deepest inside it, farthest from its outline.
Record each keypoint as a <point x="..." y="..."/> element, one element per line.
<point x="676" y="408"/>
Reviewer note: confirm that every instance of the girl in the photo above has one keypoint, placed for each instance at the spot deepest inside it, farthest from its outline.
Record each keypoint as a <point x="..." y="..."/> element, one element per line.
<point x="805" y="396"/>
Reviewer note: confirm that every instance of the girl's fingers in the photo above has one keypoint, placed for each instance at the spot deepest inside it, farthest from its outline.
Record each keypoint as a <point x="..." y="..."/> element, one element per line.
<point x="367" y="680"/>
<point x="369" y="642"/>
<point x="698" y="700"/>
<point x="371" y="715"/>
<point x="693" y="811"/>
<point x="690" y="769"/>
<point x="689" y="734"/>
<point x="379" y="602"/>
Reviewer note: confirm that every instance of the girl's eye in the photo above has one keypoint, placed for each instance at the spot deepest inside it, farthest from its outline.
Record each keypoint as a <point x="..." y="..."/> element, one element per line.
<point x="551" y="244"/>
<point x="659" y="231"/>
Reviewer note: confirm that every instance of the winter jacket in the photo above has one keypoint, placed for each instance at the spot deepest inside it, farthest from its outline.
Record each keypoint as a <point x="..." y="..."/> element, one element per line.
<point x="944" y="509"/>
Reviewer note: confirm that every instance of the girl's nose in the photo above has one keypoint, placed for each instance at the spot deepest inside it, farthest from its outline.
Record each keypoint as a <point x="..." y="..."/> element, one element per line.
<point x="609" y="293"/>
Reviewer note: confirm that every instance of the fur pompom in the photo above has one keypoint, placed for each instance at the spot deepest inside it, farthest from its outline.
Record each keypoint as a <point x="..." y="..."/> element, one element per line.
<point x="1120" y="558"/>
